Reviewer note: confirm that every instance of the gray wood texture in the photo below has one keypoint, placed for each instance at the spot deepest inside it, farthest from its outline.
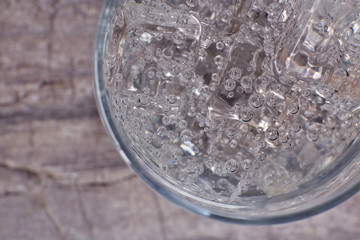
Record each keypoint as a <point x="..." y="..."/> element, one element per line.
<point x="60" y="176"/>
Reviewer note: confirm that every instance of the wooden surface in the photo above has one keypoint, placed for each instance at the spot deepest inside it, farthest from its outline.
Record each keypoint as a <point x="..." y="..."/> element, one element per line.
<point x="60" y="175"/>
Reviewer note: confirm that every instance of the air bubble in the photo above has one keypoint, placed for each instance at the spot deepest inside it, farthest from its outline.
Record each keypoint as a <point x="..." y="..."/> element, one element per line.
<point x="346" y="124"/>
<point x="271" y="100"/>
<point x="168" y="53"/>
<point x="182" y="20"/>
<point x="179" y="37"/>
<point x="215" y="77"/>
<point x="305" y="105"/>
<point x="246" y="82"/>
<point x="239" y="155"/>
<point x="246" y="114"/>
<point x="146" y="91"/>
<point x="235" y="73"/>
<point x="246" y="164"/>
<point x="186" y="135"/>
<point x="306" y="93"/>
<point x="183" y="124"/>
<point x="271" y="134"/>
<point x="240" y="90"/>
<point x="312" y="136"/>
<point x="209" y="163"/>
<point x="293" y="108"/>
<point x="230" y="95"/>
<point x="171" y="99"/>
<point x="226" y="16"/>
<point x="192" y="112"/>
<point x="144" y="100"/>
<point x="229" y="84"/>
<point x="231" y="166"/>
<point x="261" y="157"/>
<point x="296" y="127"/>
<point x="250" y="136"/>
<point x="245" y="128"/>
<point x="118" y="78"/>
<point x="287" y="145"/>
<point x="230" y="132"/>
<point x="219" y="59"/>
<point x="256" y="100"/>
<point x="233" y="143"/>
<point x="284" y="138"/>
<point x="227" y="41"/>
<point x="220" y="45"/>
<point x="192" y="3"/>
<point x="161" y="131"/>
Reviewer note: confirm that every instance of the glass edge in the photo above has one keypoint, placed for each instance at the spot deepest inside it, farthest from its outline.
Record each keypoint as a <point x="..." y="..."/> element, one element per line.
<point x="110" y="127"/>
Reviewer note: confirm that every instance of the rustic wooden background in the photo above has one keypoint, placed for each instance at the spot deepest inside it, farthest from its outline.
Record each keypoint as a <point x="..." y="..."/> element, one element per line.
<point x="60" y="176"/>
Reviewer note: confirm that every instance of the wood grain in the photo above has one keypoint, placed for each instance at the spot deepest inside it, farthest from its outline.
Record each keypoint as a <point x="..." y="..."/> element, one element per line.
<point x="60" y="175"/>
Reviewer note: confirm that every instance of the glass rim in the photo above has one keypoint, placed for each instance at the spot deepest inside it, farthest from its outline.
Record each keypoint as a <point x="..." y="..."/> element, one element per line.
<point x="104" y="112"/>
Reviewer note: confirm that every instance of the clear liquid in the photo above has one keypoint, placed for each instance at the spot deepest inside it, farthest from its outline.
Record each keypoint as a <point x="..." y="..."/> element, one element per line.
<point x="236" y="98"/>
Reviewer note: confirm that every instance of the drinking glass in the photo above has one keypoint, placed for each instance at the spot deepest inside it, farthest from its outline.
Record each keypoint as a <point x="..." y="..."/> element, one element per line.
<point x="238" y="110"/>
